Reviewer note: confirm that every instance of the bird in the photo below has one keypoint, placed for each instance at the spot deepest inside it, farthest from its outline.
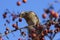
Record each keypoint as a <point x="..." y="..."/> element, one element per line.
<point x="32" y="20"/>
<point x="30" y="17"/>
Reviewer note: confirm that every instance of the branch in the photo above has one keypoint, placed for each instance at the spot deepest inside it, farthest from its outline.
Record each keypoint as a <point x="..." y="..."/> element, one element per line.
<point x="10" y="31"/>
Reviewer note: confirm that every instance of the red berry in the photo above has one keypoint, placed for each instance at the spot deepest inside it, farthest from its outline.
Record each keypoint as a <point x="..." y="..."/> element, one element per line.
<point x="34" y="35"/>
<point x="42" y="39"/>
<point x="18" y="3"/>
<point x="6" y="32"/>
<point x="15" y="26"/>
<point x="42" y="34"/>
<point x="46" y="11"/>
<point x="5" y="15"/>
<point x="23" y="33"/>
<point x="56" y="15"/>
<point x="44" y="15"/>
<point x="20" y="20"/>
<point x="1" y="38"/>
<point x="7" y="28"/>
<point x="24" y="1"/>
<point x="29" y="35"/>
<point x="19" y="39"/>
<point x="52" y="12"/>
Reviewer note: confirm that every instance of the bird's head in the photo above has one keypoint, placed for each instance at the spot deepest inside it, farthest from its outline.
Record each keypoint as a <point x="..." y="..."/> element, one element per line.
<point x="23" y="14"/>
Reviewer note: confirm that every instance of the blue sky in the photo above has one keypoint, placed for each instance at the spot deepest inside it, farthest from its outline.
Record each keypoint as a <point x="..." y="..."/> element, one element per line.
<point x="32" y="5"/>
